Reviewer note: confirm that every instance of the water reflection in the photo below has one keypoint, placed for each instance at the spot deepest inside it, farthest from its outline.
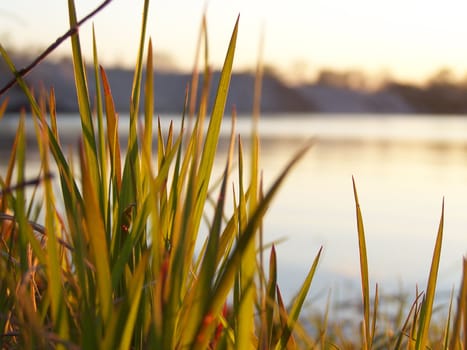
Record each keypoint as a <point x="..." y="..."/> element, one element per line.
<point x="403" y="167"/>
<point x="400" y="185"/>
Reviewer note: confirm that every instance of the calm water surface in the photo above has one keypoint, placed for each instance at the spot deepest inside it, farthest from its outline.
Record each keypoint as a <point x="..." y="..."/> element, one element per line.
<point x="403" y="167"/>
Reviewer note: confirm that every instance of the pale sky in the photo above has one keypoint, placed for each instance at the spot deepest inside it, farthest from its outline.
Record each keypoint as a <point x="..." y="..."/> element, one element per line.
<point x="408" y="39"/>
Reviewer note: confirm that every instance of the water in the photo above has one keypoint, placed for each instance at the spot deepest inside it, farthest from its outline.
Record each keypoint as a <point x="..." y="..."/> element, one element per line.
<point x="403" y="167"/>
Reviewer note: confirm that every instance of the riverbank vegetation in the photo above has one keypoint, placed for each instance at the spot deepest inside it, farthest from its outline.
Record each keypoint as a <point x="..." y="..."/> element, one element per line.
<point x="133" y="246"/>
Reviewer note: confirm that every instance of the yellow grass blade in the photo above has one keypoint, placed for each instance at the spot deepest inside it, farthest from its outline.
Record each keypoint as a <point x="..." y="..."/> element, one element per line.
<point x="104" y="196"/>
<point x="271" y="296"/>
<point x="212" y="137"/>
<point x="428" y="300"/>
<point x="53" y="114"/>
<point x="94" y="226"/>
<point x="364" y="273"/>
<point x="89" y="138"/>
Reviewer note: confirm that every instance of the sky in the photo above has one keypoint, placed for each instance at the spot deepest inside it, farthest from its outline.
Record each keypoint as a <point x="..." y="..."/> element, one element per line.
<point x="407" y="40"/>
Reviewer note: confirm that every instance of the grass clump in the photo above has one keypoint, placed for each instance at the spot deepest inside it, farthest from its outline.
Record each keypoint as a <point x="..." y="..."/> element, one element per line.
<point x="110" y="261"/>
<point x="114" y="263"/>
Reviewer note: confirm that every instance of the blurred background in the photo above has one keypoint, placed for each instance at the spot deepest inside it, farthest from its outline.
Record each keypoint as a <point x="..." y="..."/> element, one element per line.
<point x="324" y="56"/>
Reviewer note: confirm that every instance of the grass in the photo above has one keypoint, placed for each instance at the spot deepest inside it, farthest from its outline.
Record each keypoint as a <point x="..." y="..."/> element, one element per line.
<point x="109" y="261"/>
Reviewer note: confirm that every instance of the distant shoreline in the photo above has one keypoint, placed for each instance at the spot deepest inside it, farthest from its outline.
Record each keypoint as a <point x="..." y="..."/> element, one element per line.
<point x="324" y="96"/>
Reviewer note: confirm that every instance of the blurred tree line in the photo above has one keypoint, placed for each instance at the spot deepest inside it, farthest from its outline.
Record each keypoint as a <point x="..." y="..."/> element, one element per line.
<point x="442" y="93"/>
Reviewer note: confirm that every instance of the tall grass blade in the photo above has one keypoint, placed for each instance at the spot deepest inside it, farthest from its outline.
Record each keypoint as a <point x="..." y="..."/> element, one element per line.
<point x="134" y="297"/>
<point x="54" y="261"/>
<point x="212" y="137"/>
<point x="203" y="285"/>
<point x="427" y="305"/>
<point x="271" y="297"/>
<point x="364" y="272"/>
<point x="131" y="186"/>
<point x="53" y="114"/>
<point x="94" y="226"/>
<point x="131" y="176"/>
<point x="101" y="145"/>
<point x="89" y="138"/>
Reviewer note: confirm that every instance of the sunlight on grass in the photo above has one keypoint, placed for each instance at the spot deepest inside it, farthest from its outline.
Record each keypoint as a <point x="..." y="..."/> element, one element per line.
<point x="109" y="260"/>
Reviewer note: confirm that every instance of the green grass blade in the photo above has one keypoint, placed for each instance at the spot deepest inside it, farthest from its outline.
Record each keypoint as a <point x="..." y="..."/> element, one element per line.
<point x="19" y="205"/>
<point x="99" y="249"/>
<point x="271" y="296"/>
<point x="54" y="261"/>
<point x="100" y="134"/>
<point x="53" y="114"/>
<point x="242" y="220"/>
<point x="203" y="286"/>
<point x="134" y="297"/>
<point x="246" y="325"/>
<point x="89" y="138"/>
<point x="212" y="137"/>
<point x="427" y="305"/>
<point x="364" y="273"/>
<point x="131" y="177"/>
<point x="26" y="236"/>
